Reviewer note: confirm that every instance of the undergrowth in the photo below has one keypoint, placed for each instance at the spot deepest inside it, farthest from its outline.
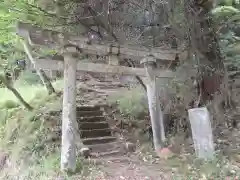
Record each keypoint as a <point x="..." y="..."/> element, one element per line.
<point x="132" y="103"/>
<point x="23" y="134"/>
<point x="190" y="167"/>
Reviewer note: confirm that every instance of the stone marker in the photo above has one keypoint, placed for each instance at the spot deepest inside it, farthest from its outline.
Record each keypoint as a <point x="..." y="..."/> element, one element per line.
<point x="201" y="132"/>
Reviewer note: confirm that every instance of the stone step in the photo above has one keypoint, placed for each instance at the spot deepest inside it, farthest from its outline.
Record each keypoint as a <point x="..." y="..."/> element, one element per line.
<point x="107" y="154"/>
<point x="88" y="108"/>
<point x="107" y="83"/>
<point x="99" y="140"/>
<point x="93" y="125"/>
<point x="88" y="113"/>
<point x="103" y="161"/>
<point x="108" y="86"/>
<point x="235" y="116"/>
<point x="95" y="133"/>
<point x="92" y="107"/>
<point x="91" y="119"/>
<point x="106" y="147"/>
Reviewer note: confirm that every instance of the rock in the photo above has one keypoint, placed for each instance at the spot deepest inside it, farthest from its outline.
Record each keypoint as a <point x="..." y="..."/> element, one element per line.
<point x="85" y="152"/>
<point x="130" y="147"/>
<point x="3" y="159"/>
<point x="165" y="153"/>
<point x="236" y="157"/>
<point x="232" y="172"/>
<point x="60" y="178"/>
<point x="238" y="125"/>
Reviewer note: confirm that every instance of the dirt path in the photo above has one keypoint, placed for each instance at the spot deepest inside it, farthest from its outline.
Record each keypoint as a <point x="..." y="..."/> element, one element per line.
<point x="126" y="168"/>
<point x="131" y="171"/>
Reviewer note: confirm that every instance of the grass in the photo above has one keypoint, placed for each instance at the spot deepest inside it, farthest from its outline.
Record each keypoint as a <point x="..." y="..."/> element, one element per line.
<point x="191" y="167"/>
<point x="131" y="103"/>
<point x="28" y="92"/>
<point x="186" y="166"/>
<point x="23" y="134"/>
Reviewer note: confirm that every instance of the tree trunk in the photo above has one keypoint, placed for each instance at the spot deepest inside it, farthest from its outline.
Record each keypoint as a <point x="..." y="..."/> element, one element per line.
<point x="16" y="93"/>
<point x="204" y="43"/>
<point x="45" y="80"/>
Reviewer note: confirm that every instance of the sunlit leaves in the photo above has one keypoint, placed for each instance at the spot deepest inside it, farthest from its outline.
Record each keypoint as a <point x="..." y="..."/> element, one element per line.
<point x="225" y="11"/>
<point x="12" y="11"/>
<point x="227" y="17"/>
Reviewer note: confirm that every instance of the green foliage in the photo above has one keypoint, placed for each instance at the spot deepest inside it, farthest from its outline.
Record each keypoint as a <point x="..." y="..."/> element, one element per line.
<point x="193" y="168"/>
<point x="227" y="2"/>
<point x="47" y="166"/>
<point x="9" y="104"/>
<point x="227" y="17"/>
<point x="224" y="11"/>
<point x="28" y="92"/>
<point x="24" y="133"/>
<point x="12" y="11"/>
<point x="131" y="103"/>
<point x="27" y="77"/>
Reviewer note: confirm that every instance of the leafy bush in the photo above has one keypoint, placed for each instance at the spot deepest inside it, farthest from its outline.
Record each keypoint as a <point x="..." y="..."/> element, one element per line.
<point x="9" y="104"/>
<point x="131" y="102"/>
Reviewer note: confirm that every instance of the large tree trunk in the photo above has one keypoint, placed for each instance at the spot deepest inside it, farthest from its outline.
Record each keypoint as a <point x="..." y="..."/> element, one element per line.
<point x="16" y="93"/>
<point x="204" y="44"/>
<point x="45" y="80"/>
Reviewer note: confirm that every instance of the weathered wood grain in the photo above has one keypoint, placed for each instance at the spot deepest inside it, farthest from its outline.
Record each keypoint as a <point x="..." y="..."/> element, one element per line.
<point x="102" y="68"/>
<point x="155" y="111"/>
<point x="69" y="123"/>
<point x="38" y="36"/>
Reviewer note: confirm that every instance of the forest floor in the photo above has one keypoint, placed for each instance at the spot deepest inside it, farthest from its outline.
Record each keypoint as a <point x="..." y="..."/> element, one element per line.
<point x="177" y="161"/>
<point x="129" y="168"/>
<point x="25" y="138"/>
<point x="147" y="166"/>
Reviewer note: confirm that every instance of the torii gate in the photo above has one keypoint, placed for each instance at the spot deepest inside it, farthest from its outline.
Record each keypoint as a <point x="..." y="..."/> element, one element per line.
<point x="71" y="46"/>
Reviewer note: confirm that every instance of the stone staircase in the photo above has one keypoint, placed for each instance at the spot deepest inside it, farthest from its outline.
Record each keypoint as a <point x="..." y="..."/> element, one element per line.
<point x="94" y="129"/>
<point x="95" y="132"/>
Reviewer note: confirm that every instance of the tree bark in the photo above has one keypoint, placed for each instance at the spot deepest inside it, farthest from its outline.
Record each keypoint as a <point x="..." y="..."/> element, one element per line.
<point x="45" y="80"/>
<point x="205" y="45"/>
<point x="16" y="93"/>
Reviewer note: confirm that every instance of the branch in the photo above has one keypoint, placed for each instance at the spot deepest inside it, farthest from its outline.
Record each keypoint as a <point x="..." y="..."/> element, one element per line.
<point x="48" y="13"/>
<point x="45" y="80"/>
<point x="100" y="23"/>
<point x="131" y="64"/>
<point x="16" y="93"/>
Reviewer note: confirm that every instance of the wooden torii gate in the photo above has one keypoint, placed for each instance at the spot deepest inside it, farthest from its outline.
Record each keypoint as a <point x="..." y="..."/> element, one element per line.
<point x="71" y="46"/>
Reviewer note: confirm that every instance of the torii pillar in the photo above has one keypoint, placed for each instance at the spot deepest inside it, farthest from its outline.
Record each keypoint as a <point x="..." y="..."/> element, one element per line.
<point x="156" y="114"/>
<point x="69" y="123"/>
